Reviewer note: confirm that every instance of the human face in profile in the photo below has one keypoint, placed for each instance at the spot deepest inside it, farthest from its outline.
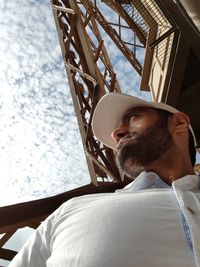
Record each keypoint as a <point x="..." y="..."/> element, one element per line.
<point x="142" y="137"/>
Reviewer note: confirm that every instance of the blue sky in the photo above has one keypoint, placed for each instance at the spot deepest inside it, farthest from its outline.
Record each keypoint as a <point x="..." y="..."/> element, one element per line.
<point x="39" y="138"/>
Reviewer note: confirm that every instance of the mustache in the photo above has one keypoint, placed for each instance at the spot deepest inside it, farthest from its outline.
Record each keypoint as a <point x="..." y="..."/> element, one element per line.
<point x="126" y="139"/>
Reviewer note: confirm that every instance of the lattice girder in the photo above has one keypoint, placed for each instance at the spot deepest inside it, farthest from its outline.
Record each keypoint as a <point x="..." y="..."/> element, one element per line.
<point x="90" y="76"/>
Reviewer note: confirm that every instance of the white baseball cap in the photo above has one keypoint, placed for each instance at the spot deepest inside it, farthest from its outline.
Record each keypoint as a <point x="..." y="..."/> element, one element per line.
<point x="110" y="109"/>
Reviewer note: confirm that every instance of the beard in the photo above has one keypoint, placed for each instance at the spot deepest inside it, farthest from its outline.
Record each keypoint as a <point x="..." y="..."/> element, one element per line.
<point x="137" y="151"/>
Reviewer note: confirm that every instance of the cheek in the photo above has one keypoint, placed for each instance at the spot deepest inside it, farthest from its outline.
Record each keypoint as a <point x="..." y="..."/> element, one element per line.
<point x="138" y="127"/>
<point x="141" y="125"/>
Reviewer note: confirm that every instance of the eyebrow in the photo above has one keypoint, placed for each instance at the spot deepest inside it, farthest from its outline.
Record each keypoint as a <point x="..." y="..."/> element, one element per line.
<point x="132" y="111"/>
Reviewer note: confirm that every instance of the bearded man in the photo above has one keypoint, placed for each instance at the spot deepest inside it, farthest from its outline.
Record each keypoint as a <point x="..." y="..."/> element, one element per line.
<point x="154" y="221"/>
<point x="147" y="136"/>
<point x="154" y="145"/>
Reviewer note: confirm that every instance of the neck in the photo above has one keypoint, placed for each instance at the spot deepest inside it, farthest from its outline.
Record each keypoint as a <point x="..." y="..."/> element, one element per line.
<point x="172" y="166"/>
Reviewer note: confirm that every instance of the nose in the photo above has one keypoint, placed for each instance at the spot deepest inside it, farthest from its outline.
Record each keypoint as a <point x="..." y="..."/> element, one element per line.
<point x="119" y="133"/>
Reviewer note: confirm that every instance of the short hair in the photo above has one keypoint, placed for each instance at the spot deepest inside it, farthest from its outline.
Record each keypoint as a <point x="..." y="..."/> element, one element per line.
<point x="164" y="115"/>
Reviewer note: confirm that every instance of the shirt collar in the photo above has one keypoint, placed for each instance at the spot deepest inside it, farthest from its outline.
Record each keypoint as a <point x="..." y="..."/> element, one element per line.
<point x="188" y="182"/>
<point x="146" y="180"/>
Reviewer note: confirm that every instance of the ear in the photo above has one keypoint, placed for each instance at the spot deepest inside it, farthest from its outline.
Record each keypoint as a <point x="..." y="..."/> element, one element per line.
<point x="179" y="122"/>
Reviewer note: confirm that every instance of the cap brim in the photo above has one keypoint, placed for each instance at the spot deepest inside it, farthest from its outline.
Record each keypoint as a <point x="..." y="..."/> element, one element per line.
<point x="110" y="110"/>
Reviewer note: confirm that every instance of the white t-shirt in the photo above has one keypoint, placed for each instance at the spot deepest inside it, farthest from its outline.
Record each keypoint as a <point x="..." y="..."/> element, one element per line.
<point x="111" y="230"/>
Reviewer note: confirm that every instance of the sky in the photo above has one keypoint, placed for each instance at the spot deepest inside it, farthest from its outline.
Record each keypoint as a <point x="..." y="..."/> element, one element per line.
<point x="39" y="138"/>
<point x="41" y="152"/>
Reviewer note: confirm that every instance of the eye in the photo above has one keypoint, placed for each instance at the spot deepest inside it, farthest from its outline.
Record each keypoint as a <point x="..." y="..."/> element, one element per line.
<point x="131" y="116"/>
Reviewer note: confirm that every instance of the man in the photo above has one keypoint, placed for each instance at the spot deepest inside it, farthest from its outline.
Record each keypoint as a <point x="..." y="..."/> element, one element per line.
<point x="154" y="221"/>
<point x="146" y="136"/>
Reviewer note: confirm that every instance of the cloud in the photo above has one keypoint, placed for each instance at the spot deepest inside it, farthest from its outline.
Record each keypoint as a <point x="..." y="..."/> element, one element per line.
<point x="39" y="138"/>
